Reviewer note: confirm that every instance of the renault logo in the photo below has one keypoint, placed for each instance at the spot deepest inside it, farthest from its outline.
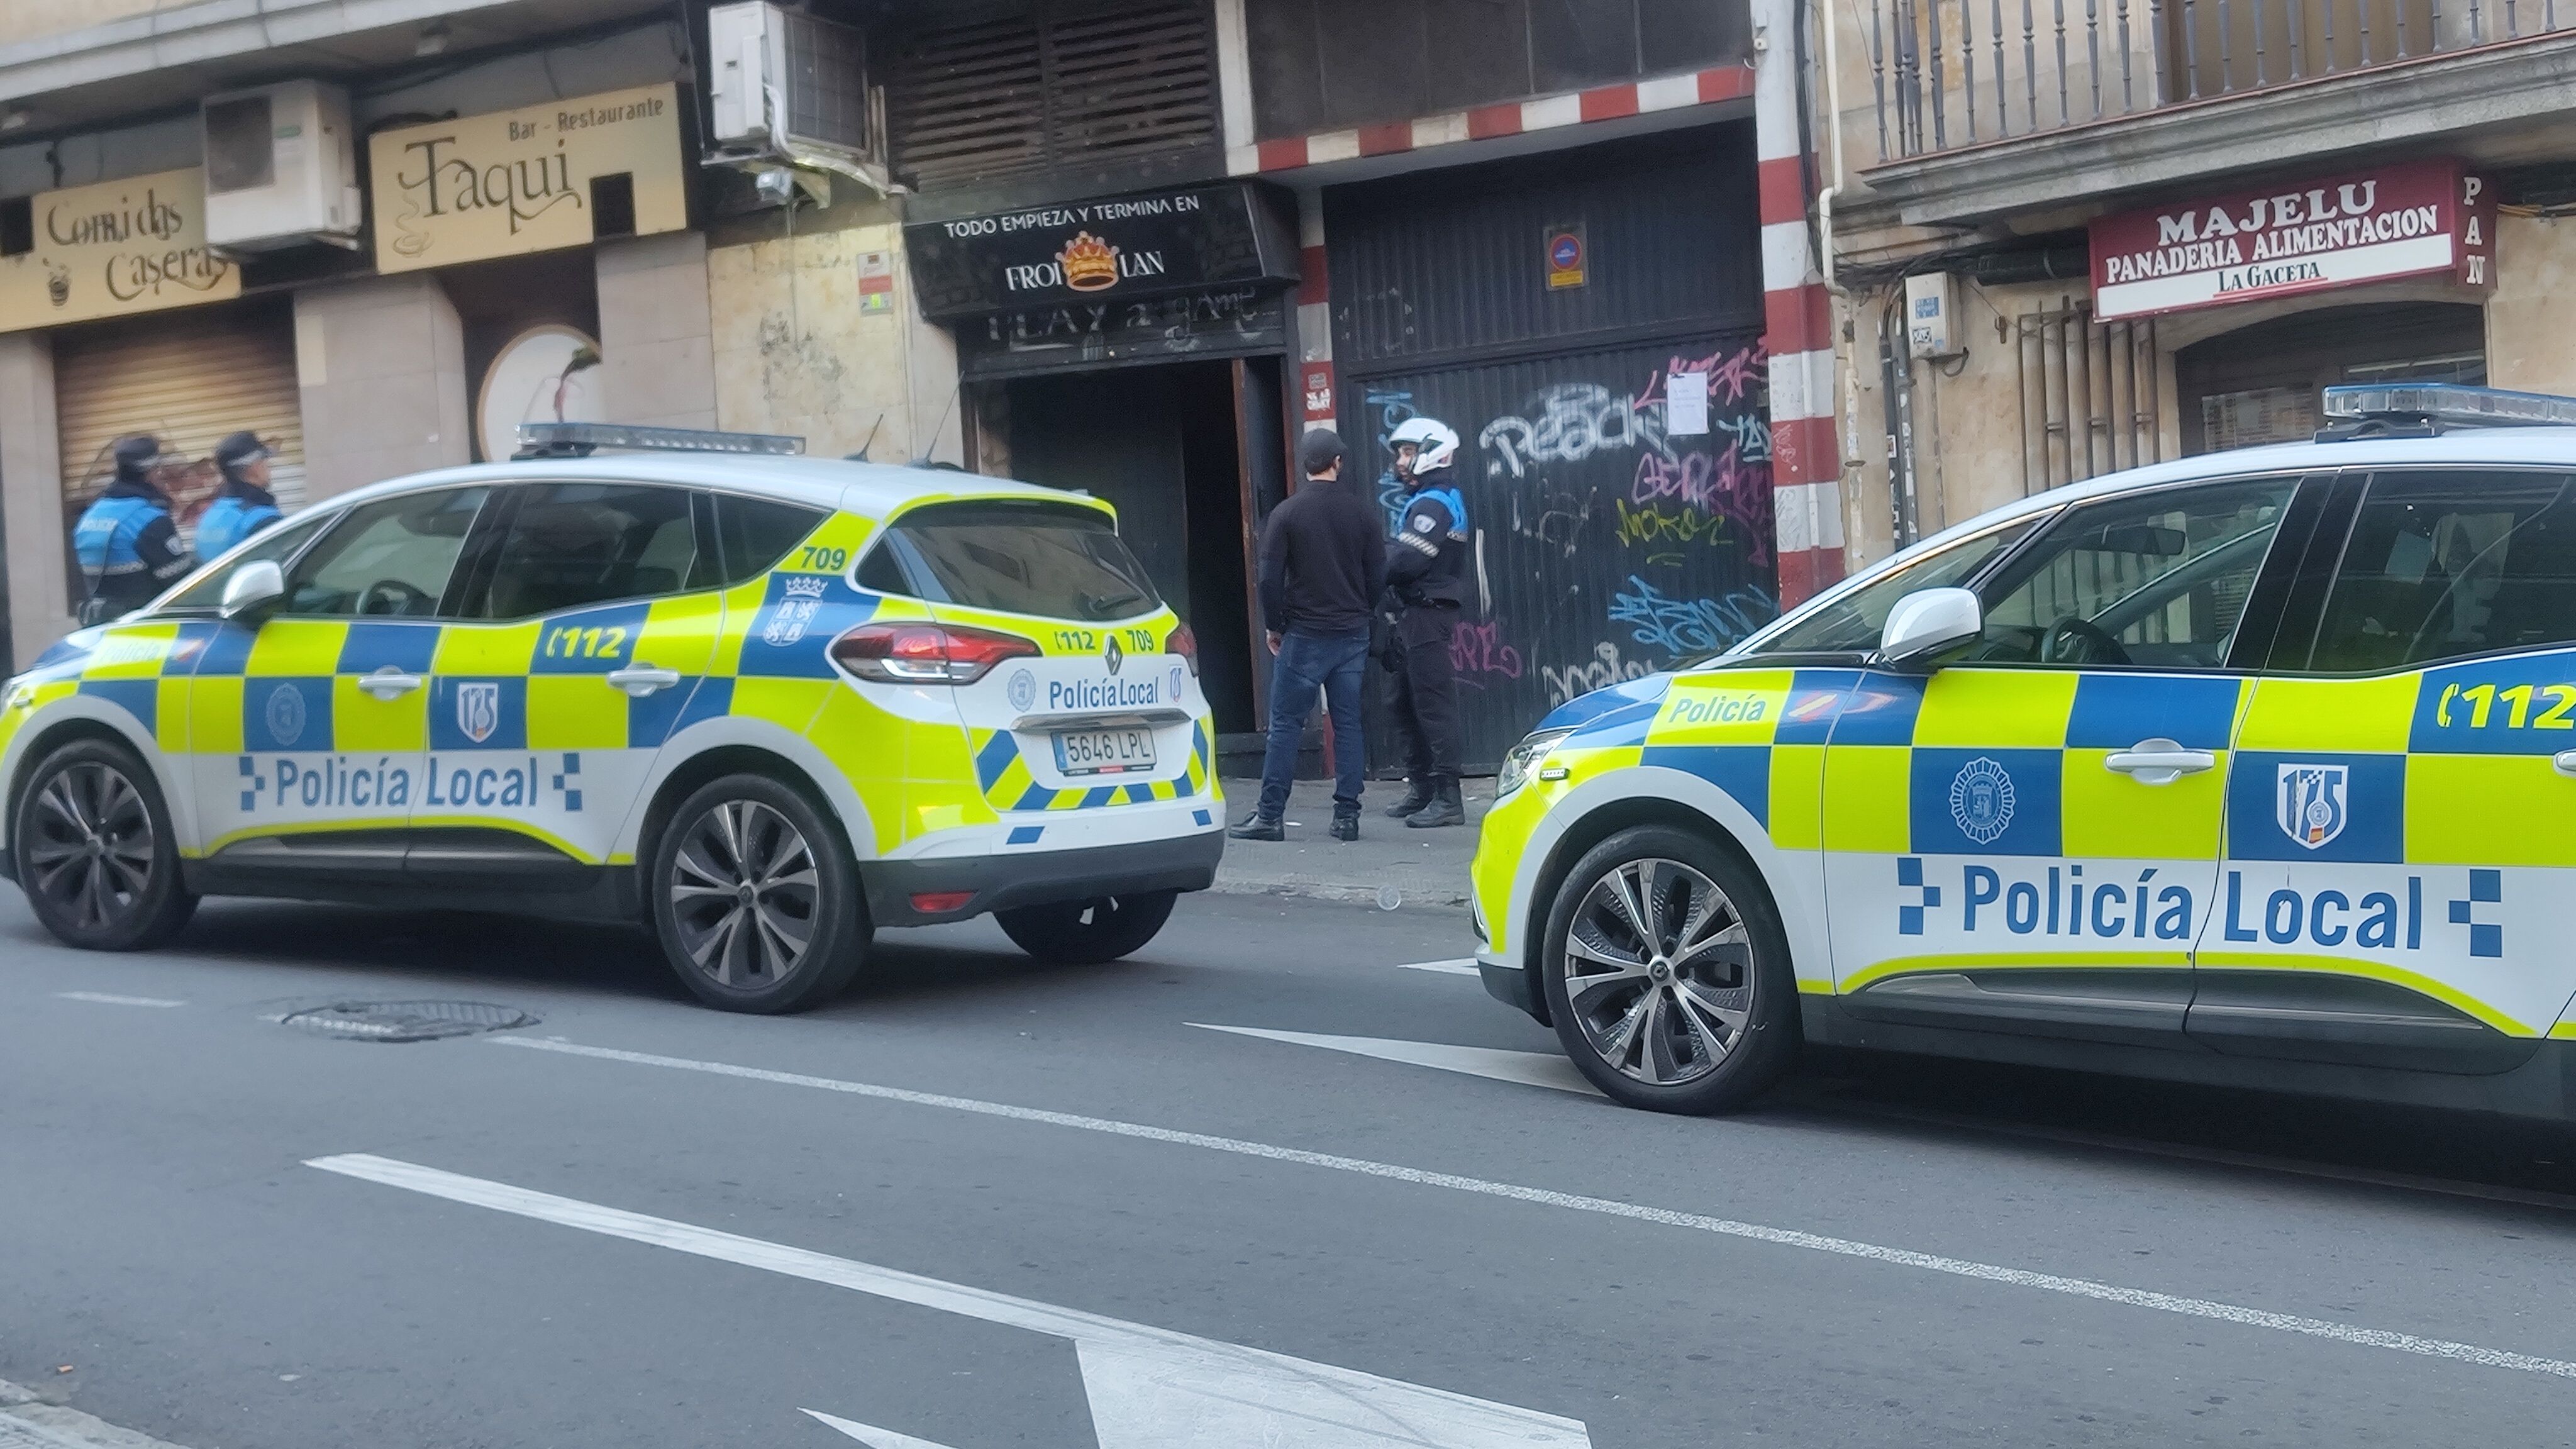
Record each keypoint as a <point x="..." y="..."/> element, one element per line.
<point x="1117" y="656"/>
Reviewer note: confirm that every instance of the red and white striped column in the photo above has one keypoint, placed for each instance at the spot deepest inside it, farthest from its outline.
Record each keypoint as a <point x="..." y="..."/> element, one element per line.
<point x="1317" y="405"/>
<point x="1806" y="461"/>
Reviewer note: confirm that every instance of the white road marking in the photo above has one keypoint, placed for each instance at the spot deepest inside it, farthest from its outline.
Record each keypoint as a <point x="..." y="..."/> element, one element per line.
<point x="1463" y="966"/>
<point x="1533" y="1069"/>
<point x="1149" y="1388"/>
<point x="106" y="999"/>
<point x="871" y="1435"/>
<point x="1612" y="1207"/>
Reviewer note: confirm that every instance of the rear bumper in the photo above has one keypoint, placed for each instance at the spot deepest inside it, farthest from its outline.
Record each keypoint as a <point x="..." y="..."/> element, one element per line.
<point x="1036" y="878"/>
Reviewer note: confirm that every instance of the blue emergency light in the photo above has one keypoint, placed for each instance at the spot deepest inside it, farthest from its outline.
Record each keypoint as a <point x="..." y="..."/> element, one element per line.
<point x="2427" y="409"/>
<point x="580" y="440"/>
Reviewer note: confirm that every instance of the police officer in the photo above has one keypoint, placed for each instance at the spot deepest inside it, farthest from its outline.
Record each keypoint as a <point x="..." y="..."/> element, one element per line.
<point x="129" y="548"/>
<point x="1426" y="569"/>
<point x="243" y="505"/>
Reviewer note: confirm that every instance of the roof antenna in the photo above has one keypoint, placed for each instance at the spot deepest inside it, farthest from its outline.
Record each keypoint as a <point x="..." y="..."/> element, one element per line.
<point x="923" y="461"/>
<point x="861" y="455"/>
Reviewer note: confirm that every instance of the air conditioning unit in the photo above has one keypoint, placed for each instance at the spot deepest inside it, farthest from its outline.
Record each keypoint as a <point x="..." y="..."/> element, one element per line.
<point x="281" y="168"/>
<point x="790" y="88"/>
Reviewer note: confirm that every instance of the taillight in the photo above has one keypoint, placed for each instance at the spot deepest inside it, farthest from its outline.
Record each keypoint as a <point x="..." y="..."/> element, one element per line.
<point x="925" y="653"/>
<point x="1185" y="644"/>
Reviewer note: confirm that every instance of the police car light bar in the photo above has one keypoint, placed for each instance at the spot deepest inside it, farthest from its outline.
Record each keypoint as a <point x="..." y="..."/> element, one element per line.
<point x="577" y="440"/>
<point x="2380" y="409"/>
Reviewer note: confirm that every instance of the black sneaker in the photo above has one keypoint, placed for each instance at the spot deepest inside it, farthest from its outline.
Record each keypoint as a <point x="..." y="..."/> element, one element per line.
<point x="1253" y="827"/>
<point x="1346" y="827"/>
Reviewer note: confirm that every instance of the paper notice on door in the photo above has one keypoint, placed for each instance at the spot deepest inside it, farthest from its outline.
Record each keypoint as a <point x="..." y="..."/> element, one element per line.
<point x="1686" y="404"/>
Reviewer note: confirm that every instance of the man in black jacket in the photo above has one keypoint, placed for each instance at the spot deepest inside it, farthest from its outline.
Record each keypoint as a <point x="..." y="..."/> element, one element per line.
<point x="1323" y="566"/>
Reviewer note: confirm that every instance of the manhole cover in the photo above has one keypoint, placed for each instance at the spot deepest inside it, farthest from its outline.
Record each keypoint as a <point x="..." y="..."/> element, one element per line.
<point x="407" y="1020"/>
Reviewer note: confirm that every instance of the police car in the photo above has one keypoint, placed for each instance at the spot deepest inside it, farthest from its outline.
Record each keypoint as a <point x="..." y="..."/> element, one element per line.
<point x="765" y="703"/>
<point x="2256" y="768"/>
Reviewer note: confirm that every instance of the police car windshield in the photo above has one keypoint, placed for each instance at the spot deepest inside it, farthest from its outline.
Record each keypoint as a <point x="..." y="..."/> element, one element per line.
<point x="1047" y="559"/>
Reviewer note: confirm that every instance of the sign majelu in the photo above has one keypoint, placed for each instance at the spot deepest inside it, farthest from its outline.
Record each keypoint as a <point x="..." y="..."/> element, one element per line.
<point x="522" y="181"/>
<point x="115" y="248"/>
<point x="2414" y="219"/>
<point x="1192" y="240"/>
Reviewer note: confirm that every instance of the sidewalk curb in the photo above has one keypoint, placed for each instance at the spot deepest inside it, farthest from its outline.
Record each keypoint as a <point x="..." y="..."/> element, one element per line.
<point x="1447" y="900"/>
<point x="27" y="1422"/>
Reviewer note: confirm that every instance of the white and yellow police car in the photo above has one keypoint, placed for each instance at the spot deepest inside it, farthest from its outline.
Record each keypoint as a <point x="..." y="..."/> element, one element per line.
<point x="764" y="703"/>
<point x="2256" y="768"/>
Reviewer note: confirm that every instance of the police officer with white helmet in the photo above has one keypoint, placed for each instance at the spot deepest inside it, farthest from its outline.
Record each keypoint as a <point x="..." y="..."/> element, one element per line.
<point x="1426" y="568"/>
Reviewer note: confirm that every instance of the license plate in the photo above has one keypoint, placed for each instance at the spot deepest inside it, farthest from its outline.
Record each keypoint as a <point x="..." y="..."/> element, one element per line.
<point x="1125" y="751"/>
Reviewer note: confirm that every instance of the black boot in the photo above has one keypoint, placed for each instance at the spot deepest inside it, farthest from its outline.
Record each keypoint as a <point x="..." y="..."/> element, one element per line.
<point x="1346" y="822"/>
<point x="1253" y="827"/>
<point x="1445" y="809"/>
<point x="1417" y="793"/>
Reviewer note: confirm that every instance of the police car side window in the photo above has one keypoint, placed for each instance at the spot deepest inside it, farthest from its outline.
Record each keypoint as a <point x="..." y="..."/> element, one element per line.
<point x="753" y="534"/>
<point x="2155" y="580"/>
<point x="392" y="556"/>
<point x="206" y="591"/>
<point x="1852" y="623"/>
<point x="571" y="544"/>
<point x="2444" y="564"/>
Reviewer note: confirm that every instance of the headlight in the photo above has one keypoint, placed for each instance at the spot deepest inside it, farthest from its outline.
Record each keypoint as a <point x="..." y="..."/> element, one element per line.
<point x="1522" y="762"/>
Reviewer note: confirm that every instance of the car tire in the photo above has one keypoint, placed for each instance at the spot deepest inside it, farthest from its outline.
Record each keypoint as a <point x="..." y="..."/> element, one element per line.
<point x="1088" y="933"/>
<point x="1697" y="1025"/>
<point x="94" y="851"/>
<point x="755" y="898"/>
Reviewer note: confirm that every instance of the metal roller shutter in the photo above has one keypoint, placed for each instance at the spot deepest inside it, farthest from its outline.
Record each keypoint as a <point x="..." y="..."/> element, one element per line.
<point x="1018" y="94"/>
<point x="188" y="378"/>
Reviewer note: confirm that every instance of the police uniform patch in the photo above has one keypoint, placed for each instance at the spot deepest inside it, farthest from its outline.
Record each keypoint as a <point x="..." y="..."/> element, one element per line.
<point x="1422" y="523"/>
<point x="1981" y="800"/>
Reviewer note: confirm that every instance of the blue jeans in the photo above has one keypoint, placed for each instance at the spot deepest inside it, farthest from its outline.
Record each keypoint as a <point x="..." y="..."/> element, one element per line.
<point x="1337" y="664"/>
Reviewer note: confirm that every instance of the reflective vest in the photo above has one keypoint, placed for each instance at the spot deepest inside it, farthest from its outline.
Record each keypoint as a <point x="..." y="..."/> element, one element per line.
<point x="105" y="537"/>
<point x="229" y="520"/>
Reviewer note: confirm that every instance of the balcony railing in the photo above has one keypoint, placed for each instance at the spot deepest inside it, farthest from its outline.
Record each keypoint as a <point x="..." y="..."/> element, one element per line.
<point x="1951" y="73"/>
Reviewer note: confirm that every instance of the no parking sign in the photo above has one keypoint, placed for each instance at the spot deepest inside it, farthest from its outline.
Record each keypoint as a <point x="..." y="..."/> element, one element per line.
<point x="1565" y="257"/>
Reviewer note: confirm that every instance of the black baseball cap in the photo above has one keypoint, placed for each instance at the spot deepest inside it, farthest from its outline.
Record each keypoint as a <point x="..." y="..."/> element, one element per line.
<point x="1320" y="449"/>
<point x="239" y="450"/>
<point x="136" y="452"/>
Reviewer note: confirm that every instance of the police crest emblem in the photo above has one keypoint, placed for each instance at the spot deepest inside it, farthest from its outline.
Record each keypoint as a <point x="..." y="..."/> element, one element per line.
<point x="1981" y="800"/>
<point x="2311" y="804"/>
<point x="795" y="613"/>
<point x="1023" y="690"/>
<point x="478" y="710"/>
<point x="285" y="714"/>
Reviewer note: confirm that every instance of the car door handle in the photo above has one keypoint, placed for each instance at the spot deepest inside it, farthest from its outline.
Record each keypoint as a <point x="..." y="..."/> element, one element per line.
<point x="390" y="683"/>
<point x="639" y="680"/>
<point x="2159" y="761"/>
<point x="2564" y="762"/>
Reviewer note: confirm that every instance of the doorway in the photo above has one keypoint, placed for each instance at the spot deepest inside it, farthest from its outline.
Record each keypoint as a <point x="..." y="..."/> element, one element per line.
<point x="2264" y="383"/>
<point x="1162" y="444"/>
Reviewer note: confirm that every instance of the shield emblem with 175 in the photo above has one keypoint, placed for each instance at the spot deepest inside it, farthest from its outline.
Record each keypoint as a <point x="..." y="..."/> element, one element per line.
<point x="2311" y="806"/>
<point x="478" y="710"/>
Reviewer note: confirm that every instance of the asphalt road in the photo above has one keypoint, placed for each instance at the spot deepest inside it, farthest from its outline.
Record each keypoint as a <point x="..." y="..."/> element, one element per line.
<point x="982" y="1202"/>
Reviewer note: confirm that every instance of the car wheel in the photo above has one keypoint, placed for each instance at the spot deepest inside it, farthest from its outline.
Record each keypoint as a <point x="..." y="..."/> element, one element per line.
<point x="1087" y="933"/>
<point x="95" y="854"/>
<point x="1667" y="974"/>
<point x="755" y="898"/>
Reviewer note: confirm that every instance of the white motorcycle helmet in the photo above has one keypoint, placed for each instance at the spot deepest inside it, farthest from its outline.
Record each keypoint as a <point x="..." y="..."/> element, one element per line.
<point x="1435" y="446"/>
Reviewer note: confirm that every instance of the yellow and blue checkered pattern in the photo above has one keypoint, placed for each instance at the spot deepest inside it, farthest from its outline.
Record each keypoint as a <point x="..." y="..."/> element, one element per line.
<point x="1003" y="772"/>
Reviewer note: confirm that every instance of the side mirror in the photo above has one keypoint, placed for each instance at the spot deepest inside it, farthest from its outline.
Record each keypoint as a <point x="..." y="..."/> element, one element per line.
<point x="253" y="586"/>
<point x="1927" y="621"/>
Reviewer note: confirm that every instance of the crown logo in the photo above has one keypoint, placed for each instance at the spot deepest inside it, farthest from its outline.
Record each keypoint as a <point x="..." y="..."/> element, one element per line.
<point x="1089" y="263"/>
<point x="805" y="586"/>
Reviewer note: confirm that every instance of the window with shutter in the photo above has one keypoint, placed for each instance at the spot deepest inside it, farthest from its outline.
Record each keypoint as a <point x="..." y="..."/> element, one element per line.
<point x="1015" y="95"/>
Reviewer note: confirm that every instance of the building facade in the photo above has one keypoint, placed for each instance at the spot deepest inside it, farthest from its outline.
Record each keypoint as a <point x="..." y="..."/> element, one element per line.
<point x="1130" y="246"/>
<point x="2148" y="231"/>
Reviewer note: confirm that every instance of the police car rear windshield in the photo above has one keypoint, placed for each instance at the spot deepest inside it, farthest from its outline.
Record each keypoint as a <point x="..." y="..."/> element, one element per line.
<point x="1048" y="559"/>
